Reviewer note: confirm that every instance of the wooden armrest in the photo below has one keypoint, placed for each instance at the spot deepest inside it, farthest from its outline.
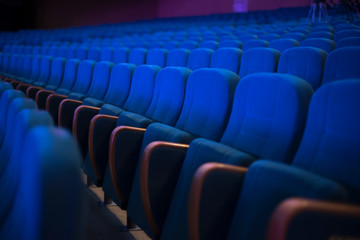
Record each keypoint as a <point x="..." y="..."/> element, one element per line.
<point x="29" y="89"/>
<point x="40" y="92"/>
<point x="112" y="166"/>
<point x="196" y="190"/>
<point x="53" y="96"/>
<point x="144" y="177"/>
<point x="61" y="106"/>
<point x="95" y="110"/>
<point x="290" y="208"/>
<point x="91" y="140"/>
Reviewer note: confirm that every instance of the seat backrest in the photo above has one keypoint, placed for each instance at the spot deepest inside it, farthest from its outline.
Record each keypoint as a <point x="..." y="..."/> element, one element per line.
<point x="230" y="43"/>
<point x="305" y="62"/>
<point x="227" y="58"/>
<point x="169" y="93"/>
<point x="320" y="34"/>
<point x="70" y="73"/>
<point x="5" y="62"/>
<point x="26" y="72"/>
<point x="44" y="50"/>
<point x="100" y="79"/>
<point x="35" y="50"/>
<point x="177" y="57"/>
<point x="107" y="54"/>
<point x="57" y="71"/>
<point x="207" y="105"/>
<point x="257" y="60"/>
<point x="269" y="36"/>
<point x="62" y="51"/>
<point x="81" y="53"/>
<point x="45" y="69"/>
<point x="211" y="44"/>
<point x="35" y="67"/>
<point x="157" y="56"/>
<point x="341" y="64"/>
<point x="94" y="54"/>
<point x="137" y="56"/>
<point x="48" y="154"/>
<point x="255" y="43"/>
<point x="120" y="83"/>
<point x="171" y="45"/>
<point x="199" y="58"/>
<point x="348" y="42"/>
<point x="323" y="43"/>
<point x="12" y="64"/>
<point x="294" y="35"/>
<point x="142" y="89"/>
<point x="71" y="52"/>
<point x="84" y="76"/>
<point x="189" y="44"/>
<point x="346" y="33"/>
<point x="330" y="144"/>
<point x="53" y="51"/>
<point x="283" y="44"/>
<point x="270" y="113"/>
<point x="121" y="55"/>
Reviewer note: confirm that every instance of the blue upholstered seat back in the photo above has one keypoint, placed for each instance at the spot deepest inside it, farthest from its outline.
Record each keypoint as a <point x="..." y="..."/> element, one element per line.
<point x="26" y="73"/>
<point x="100" y="79"/>
<point x="208" y="100"/>
<point x="330" y="145"/>
<point x="121" y="55"/>
<point x="348" y="42"/>
<point x="142" y="88"/>
<point x="70" y="73"/>
<point x="269" y="114"/>
<point x="84" y="76"/>
<point x="45" y="69"/>
<point x="254" y="44"/>
<point x="227" y="58"/>
<point x="178" y="57"/>
<point x="120" y="83"/>
<point x="341" y="64"/>
<point x="157" y="56"/>
<point x="57" y="71"/>
<point x="305" y="62"/>
<point x="107" y="54"/>
<point x="323" y="43"/>
<point x="94" y="54"/>
<point x="283" y="44"/>
<point x="199" y="58"/>
<point x="35" y="67"/>
<point x="169" y="93"/>
<point x="137" y="56"/>
<point x="259" y="60"/>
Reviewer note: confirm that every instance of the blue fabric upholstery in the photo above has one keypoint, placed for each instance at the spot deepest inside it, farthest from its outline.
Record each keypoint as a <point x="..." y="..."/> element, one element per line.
<point x="199" y="58"/>
<point x="283" y="44"/>
<point x="45" y="70"/>
<point x="211" y="44"/>
<point x="332" y="134"/>
<point x="121" y="55"/>
<point x="266" y="185"/>
<point x="107" y="54"/>
<point x="156" y="56"/>
<point x="189" y="44"/>
<point x="254" y="44"/>
<point x="178" y="57"/>
<point x="57" y="72"/>
<point x="341" y="64"/>
<point x="227" y="58"/>
<point x="294" y="35"/>
<point x="83" y="80"/>
<point x="259" y="60"/>
<point x="137" y="56"/>
<point x="320" y="34"/>
<point x="348" y="42"/>
<point x="325" y="44"/>
<point x="70" y="74"/>
<point x="230" y="43"/>
<point x="346" y="33"/>
<point x="81" y="53"/>
<point x="94" y="54"/>
<point x="305" y="62"/>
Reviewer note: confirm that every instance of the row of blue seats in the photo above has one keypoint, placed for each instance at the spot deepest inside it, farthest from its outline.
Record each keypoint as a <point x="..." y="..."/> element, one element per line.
<point x="37" y="202"/>
<point x="125" y="118"/>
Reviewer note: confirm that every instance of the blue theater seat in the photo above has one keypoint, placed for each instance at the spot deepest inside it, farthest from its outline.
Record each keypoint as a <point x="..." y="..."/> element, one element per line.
<point x="121" y="55"/>
<point x="81" y="86"/>
<point x="165" y="107"/>
<point x="305" y="62"/>
<point x="346" y="33"/>
<point x="227" y="58"/>
<point x="68" y="80"/>
<point x="137" y="56"/>
<point x="94" y="53"/>
<point x="247" y="137"/>
<point x="97" y="90"/>
<point x="157" y="56"/>
<point x="320" y="34"/>
<point x="171" y="45"/>
<point x="81" y="53"/>
<point x="230" y="43"/>
<point x="199" y="58"/>
<point x="107" y="54"/>
<point x="259" y="60"/>
<point x="283" y="44"/>
<point x="325" y="44"/>
<point x="55" y="79"/>
<point x="211" y="44"/>
<point x="200" y="103"/>
<point x="255" y="43"/>
<point x="341" y="64"/>
<point x="190" y="44"/>
<point x="177" y="57"/>
<point x="327" y="155"/>
<point x="47" y="155"/>
<point x="348" y="42"/>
